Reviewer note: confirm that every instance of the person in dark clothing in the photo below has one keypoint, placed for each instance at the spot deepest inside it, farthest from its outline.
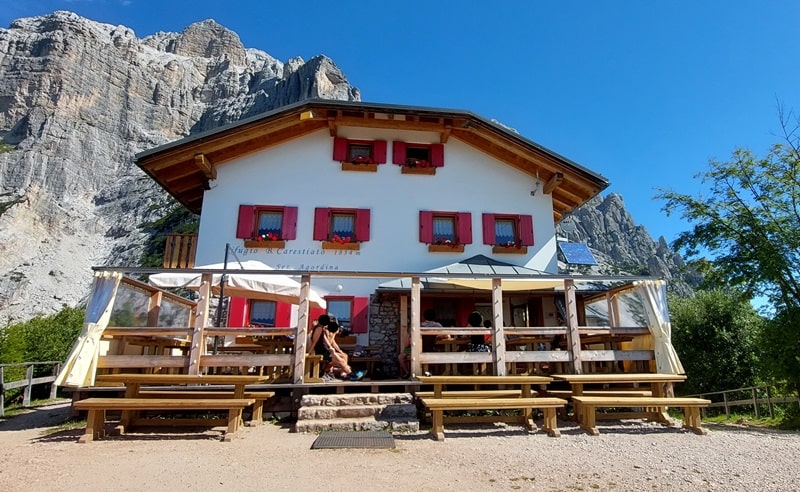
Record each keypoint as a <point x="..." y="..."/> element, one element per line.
<point x="477" y="343"/>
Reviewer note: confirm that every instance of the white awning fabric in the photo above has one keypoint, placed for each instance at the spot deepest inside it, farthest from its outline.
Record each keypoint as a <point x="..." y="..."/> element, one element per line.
<point x="269" y="287"/>
<point x="654" y="298"/>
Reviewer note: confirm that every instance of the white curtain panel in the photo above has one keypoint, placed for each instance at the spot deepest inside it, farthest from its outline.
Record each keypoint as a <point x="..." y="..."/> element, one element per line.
<point x="653" y="294"/>
<point x="80" y="367"/>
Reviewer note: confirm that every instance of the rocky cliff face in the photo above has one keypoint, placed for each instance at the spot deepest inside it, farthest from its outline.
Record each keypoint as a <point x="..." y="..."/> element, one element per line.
<point x="78" y="99"/>
<point x="622" y="247"/>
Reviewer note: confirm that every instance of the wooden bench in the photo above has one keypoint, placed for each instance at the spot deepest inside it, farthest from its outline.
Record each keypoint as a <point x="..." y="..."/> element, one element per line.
<point x="97" y="407"/>
<point x="258" y="396"/>
<point x="605" y="392"/>
<point x="586" y="407"/>
<point x="437" y="406"/>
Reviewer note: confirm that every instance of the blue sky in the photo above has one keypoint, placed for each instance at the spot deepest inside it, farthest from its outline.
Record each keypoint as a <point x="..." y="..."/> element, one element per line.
<point x="643" y="92"/>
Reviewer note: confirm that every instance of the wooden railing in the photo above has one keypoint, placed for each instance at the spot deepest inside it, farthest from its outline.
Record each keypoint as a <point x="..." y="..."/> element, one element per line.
<point x="180" y="250"/>
<point x="753" y="400"/>
<point x="27" y="383"/>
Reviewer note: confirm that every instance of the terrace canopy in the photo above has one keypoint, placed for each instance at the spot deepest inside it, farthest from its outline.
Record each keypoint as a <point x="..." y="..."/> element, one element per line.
<point x="257" y="283"/>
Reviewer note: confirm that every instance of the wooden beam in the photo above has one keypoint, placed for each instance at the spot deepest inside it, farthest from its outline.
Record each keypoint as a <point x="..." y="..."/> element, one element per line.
<point x="332" y="128"/>
<point x="445" y="135"/>
<point x="202" y="163"/>
<point x="553" y="183"/>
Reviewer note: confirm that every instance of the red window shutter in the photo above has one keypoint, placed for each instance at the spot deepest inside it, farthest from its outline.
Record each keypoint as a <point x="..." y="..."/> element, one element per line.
<point x="321" y="223"/>
<point x="362" y="224"/>
<point x="379" y="151"/>
<point x="488" y="229"/>
<point x="462" y="312"/>
<point x="289" y="226"/>
<point x="340" y="149"/>
<point x="399" y="152"/>
<point x="246" y="222"/>
<point x="359" y="322"/>
<point x="238" y="313"/>
<point x="464" y="224"/>
<point x="313" y="314"/>
<point x="437" y="155"/>
<point x="425" y="226"/>
<point x="283" y="314"/>
<point x="526" y="230"/>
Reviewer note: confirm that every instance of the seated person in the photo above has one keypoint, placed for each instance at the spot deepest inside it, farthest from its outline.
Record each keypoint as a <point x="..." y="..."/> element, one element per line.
<point x="477" y="343"/>
<point x="404" y="359"/>
<point x="323" y="342"/>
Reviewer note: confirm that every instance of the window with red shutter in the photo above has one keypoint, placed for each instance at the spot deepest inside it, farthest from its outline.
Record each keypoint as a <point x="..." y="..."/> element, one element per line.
<point x="340" y="228"/>
<point x="266" y="226"/>
<point x="508" y="233"/>
<point x="359" y="154"/>
<point x="418" y="158"/>
<point x="446" y="232"/>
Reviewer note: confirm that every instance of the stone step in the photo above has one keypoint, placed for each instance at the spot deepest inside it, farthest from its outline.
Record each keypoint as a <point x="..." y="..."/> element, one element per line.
<point x="388" y="411"/>
<point x="357" y="424"/>
<point x="313" y="400"/>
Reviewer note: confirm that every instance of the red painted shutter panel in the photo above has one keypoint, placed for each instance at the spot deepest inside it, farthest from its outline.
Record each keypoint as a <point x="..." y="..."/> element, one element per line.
<point x="379" y="151"/>
<point x="283" y="315"/>
<point x="464" y="223"/>
<point x="321" y="223"/>
<point x="399" y="152"/>
<point x="340" y="149"/>
<point x="425" y="226"/>
<point x="246" y="222"/>
<point x="362" y="225"/>
<point x="238" y="315"/>
<point x="289" y="226"/>
<point x="526" y="230"/>
<point x="437" y="155"/>
<point x="359" y="322"/>
<point x="488" y="229"/>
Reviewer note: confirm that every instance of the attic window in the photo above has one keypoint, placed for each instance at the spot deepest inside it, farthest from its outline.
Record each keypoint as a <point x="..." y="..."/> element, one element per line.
<point x="359" y="155"/>
<point x="415" y="157"/>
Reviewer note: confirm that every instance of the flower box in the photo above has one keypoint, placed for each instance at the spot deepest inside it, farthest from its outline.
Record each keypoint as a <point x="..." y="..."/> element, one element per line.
<point x="360" y="167"/>
<point x="341" y="246"/>
<point x="510" y="250"/>
<point x="264" y="243"/>
<point x="445" y="248"/>
<point x="417" y="170"/>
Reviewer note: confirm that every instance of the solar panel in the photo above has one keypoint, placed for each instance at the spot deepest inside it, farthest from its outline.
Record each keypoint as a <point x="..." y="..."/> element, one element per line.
<point x="577" y="253"/>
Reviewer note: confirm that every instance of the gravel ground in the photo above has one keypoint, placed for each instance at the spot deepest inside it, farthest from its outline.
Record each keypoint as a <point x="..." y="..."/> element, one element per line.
<point x="628" y="455"/>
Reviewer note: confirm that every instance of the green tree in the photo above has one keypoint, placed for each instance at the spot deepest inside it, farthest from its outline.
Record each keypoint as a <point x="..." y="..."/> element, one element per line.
<point x="715" y="334"/>
<point x="748" y="223"/>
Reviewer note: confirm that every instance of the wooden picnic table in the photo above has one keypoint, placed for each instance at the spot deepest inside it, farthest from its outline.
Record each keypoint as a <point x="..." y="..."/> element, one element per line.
<point x="524" y="382"/>
<point x="659" y="383"/>
<point x="134" y="382"/>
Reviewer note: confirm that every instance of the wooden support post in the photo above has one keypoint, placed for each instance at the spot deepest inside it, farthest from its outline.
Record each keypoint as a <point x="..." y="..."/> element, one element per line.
<point x="53" y="385"/>
<point x="26" y="393"/>
<point x="416" y="337"/>
<point x="198" y="340"/>
<point x="573" y="335"/>
<point x="301" y="334"/>
<point x="2" y="393"/>
<point x="498" y="337"/>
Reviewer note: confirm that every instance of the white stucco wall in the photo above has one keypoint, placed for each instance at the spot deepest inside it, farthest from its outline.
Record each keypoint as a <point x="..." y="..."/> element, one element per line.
<point x="302" y="173"/>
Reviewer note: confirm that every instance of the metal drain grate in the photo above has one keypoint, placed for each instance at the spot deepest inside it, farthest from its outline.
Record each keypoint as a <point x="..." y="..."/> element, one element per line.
<point x="338" y="440"/>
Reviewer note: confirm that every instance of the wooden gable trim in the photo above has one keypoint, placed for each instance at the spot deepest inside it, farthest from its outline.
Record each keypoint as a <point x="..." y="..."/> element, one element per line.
<point x="553" y="183"/>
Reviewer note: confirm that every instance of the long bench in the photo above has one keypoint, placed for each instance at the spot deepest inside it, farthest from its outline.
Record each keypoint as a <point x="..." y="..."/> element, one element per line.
<point x="97" y="407"/>
<point x="437" y="406"/>
<point x="258" y="396"/>
<point x="510" y="393"/>
<point x="586" y="408"/>
<point x="603" y="392"/>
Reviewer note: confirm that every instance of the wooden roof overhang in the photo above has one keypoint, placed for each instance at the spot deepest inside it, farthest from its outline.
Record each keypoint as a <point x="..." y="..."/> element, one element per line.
<point x="184" y="168"/>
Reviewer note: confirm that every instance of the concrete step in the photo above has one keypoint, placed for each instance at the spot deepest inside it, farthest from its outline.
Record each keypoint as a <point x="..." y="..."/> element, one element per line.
<point x="357" y="424"/>
<point x="386" y="411"/>
<point x="347" y="399"/>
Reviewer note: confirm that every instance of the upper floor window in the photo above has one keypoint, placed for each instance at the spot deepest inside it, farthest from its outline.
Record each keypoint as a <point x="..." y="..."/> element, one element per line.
<point x="508" y="233"/>
<point x="418" y="156"/>
<point x="445" y="231"/>
<point x="266" y="225"/>
<point x="359" y="151"/>
<point x="340" y="228"/>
